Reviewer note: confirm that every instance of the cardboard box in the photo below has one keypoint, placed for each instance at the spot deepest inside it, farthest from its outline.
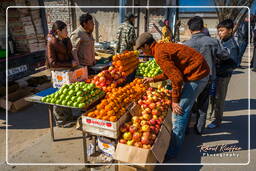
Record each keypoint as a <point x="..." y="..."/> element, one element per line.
<point x="102" y="127"/>
<point x="16" y="100"/>
<point x="141" y="156"/>
<point x="135" y="168"/>
<point x="59" y="78"/>
<point x="153" y="155"/>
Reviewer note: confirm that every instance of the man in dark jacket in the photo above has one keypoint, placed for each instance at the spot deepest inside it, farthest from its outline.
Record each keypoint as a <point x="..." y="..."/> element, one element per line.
<point x="211" y="49"/>
<point x="224" y="69"/>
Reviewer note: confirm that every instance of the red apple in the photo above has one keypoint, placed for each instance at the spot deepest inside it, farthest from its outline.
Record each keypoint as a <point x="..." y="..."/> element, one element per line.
<point x="123" y="129"/>
<point x="144" y="106"/>
<point x="138" y="144"/>
<point x="136" y="136"/>
<point x="140" y="102"/>
<point x="155" y="112"/>
<point x="144" y="140"/>
<point x="137" y="125"/>
<point x="147" y="134"/>
<point x="152" y="122"/>
<point x="152" y="106"/>
<point x="153" y="136"/>
<point x="102" y="79"/>
<point x="133" y="129"/>
<point x="123" y="141"/>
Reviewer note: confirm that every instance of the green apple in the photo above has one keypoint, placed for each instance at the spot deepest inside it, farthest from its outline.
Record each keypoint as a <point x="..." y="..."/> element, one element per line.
<point x="64" y="102"/>
<point x="75" y="104"/>
<point x="73" y="98"/>
<point x="69" y="103"/>
<point x="77" y="89"/>
<point x="81" y="105"/>
<point x="68" y="97"/>
<point x="58" y="102"/>
<point x="71" y="92"/>
<point x="62" y="97"/>
<point x="53" y="101"/>
<point x="43" y="99"/>
<point x="79" y="93"/>
<point x="65" y="91"/>
<point x="80" y="99"/>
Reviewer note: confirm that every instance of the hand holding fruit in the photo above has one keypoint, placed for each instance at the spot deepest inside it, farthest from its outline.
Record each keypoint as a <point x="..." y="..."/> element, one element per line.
<point x="147" y="80"/>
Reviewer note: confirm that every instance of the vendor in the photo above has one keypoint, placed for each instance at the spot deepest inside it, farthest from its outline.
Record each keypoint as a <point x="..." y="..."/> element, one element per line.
<point x="59" y="57"/>
<point x="188" y="72"/>
<point x="83" y="41"/>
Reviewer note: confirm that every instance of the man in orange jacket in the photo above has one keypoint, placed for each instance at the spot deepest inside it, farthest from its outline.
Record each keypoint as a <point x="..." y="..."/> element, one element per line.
<point x="189" y="74"/>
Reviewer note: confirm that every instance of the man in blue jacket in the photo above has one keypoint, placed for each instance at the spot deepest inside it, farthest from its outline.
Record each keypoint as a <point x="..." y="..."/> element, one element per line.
<point x="211" y="49"/>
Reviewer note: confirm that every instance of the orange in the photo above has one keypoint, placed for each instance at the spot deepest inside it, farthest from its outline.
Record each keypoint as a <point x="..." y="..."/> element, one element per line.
<point x="108" y="108"/>
<point x="113" y="118"/>
<point x="105" y="118"/>
<point x="111" y="113"/>
<point x="102" y="112"/>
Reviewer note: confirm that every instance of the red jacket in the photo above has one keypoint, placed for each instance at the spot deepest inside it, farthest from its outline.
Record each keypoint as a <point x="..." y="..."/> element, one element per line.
<point x="180" y="64"/>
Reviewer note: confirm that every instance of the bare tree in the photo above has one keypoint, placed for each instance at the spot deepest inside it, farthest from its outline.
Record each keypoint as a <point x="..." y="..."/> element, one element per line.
<point x="236" y="14"/>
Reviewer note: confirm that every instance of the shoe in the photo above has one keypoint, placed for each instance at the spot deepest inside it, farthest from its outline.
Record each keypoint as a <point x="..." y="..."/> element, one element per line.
<point x="212" y="125"/>
<point x="69" y="124"/>
<point x="254" y="69"/>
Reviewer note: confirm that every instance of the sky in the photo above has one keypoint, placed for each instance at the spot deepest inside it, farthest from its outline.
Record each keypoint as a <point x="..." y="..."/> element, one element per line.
<point x="204" y="3"/>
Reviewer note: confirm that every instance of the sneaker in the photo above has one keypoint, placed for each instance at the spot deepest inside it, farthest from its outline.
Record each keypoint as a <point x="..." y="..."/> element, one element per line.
<point x="212" y="125"/>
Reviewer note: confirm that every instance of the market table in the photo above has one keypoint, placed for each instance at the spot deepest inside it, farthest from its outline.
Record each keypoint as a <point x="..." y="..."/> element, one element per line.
<point x="36" y="98"/>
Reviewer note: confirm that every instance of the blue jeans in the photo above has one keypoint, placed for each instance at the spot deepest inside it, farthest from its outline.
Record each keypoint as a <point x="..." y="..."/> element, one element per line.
<point x="190" y="92"/>
<point x="242" y="48"/>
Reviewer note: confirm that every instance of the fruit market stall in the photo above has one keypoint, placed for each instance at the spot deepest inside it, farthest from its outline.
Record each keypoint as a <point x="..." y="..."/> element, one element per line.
<point x="120" y="114"/>
<point x="79" y="95"/>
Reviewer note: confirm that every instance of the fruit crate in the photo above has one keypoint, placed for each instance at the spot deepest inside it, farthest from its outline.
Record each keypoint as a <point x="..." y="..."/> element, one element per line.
<point x="103" y="128"/>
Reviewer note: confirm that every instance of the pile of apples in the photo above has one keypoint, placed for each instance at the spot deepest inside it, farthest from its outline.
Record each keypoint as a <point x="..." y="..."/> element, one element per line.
<point x="142" y="130"/>
<point x="148" y="69"/>
<point x="79" y="94"/>
<point x="126" y="62"/>
<point x="108" y="79"/>
<point x="114" y="105"/>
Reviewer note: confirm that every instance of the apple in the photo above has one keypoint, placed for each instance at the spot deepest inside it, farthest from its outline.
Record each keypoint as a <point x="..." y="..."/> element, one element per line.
<point x="146" y="116"/>
<point x="155" y="117"/>
<point x="136" y="136"/>
<point x="69" y="103"/>
<point x="135" y="119"/>
<point x="152" y="106"/>
<point x="130" y="142"/>
<point x="127" y="136"/>
<point x="140" y="102"/>
<point x="138" y="144"/>
<point x="148" y="110"/>
<point x="155" y="112"/>
<point x="153" y="136"/>
<point x="145" y="128"/>
<point x="144" y="140"/>
<point x="137" y="125"/>
<point x="123" y="141"/>
<point x="81" y="105"/>
<point x="143" y="122"/>
<point x="123" y="128"/>
<point x="157" y="126"/>
<point x="133" y="129"/>
<point x="152" y="122"/>
<point x="144" y="106"/>
<point x="144" y="97"/>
